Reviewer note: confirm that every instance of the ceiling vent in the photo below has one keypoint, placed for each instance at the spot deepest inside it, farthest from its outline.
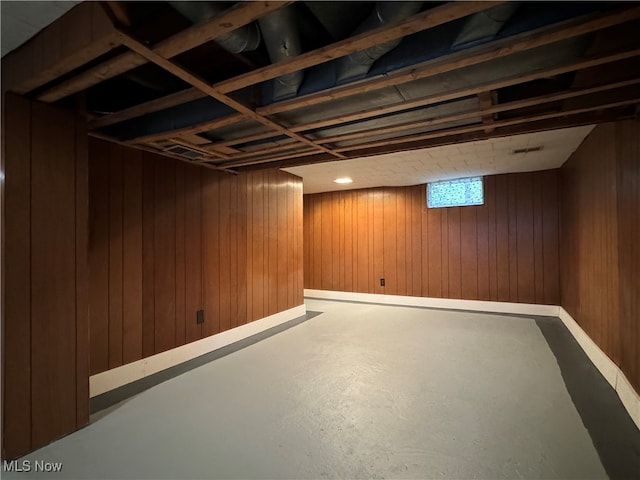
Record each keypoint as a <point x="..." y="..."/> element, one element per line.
<point x="526" y="150"/>
<point x="185" y="152"/>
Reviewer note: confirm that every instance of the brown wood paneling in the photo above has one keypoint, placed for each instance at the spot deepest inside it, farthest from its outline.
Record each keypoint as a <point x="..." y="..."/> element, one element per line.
<point x="193" y="252"/>
<point x="164" y="258"/>
<point x="225" y="262"/>
<point x="192" y="239"/>
<point x="524" y="239"/>
<point x="550" y="228"/>
<point x="627" y="138"/>
<point x="449" y="252"/>
<point x="99" y="261"/>
<point x="45" y="337"/>
<point x="115" y="257"/>
<point x="132" y="256"/>
<point x="82" y="272"/>
<point x="600" y="228"/>
<point x="53" y="275"/>
<point x="538" y="243"/>
<point x="469" y="253"/>
<point x="16" y="342"/>
<point x="432" y="261"/>
<point x="148" y="246"/>
<point x="416" y="256"/>
<point x="211" y="260"/>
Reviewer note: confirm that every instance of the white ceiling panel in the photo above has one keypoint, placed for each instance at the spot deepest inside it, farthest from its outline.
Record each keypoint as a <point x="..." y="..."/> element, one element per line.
<point x="483" y="157"/>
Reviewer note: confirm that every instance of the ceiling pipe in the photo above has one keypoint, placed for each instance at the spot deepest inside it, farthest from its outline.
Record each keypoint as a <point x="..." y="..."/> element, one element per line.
<point x="282" y="39"/>
<point x="244" y="39"/>
<point x="358" y="64"/>
<point x="485" y="24"/>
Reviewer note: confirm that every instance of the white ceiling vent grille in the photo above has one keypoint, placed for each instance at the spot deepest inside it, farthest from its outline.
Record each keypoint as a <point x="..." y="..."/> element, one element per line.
<point x="526" y="150"/>
<point x="185" y="152"/>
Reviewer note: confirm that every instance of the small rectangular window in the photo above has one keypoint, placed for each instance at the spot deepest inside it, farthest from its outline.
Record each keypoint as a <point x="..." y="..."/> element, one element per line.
<point x="455" y="193"/>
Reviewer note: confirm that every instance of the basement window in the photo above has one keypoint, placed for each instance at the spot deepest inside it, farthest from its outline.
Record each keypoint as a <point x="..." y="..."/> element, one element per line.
<point x="460" y="192"/>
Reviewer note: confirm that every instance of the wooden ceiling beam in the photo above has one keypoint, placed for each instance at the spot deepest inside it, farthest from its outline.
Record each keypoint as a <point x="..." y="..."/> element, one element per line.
<point x="543" y="125"/>
<point x="469" y="91"/>
<point x="202" y="85"/>
<point x="151" y="106"/>
<point x="416" y="23"/>
<point x="79" y="36"/>
<point x="485" y="100"/>
<point x="192" y="129"/>
<point x="466" y="58"/>
<point x="503" y="123"/>
<point x="238" y="141"/>
<point x="490" y="109"/>
<point x="256" y="161"/>
<point x="235" y="17"/>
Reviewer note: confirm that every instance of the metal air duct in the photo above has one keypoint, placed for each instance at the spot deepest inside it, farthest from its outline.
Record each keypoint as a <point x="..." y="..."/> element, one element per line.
<point x="485" y="24"/>
<point x="282" y="39"/>
<point x="358" y="64"/>
<point x="244" y="39"/>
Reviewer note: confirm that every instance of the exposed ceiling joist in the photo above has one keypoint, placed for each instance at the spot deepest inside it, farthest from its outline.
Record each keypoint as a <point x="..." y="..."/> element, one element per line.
<point x="202" y="85"/>
<point x="168" y="101"/>
<point x="582" y="64"/>
<point x="422" y="21"/>
<point x="489" y="109"/>
<point x="503" y="123"/>
<point x="237" y="16"/>
<point x="502" y="48"/>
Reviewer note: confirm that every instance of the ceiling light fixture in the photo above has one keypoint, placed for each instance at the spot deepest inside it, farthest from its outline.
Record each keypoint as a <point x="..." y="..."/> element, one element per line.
<point x="343" y="180"/>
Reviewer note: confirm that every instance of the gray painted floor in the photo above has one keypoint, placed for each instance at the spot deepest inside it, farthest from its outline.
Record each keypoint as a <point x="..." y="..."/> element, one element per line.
<point x="361" y="391"/>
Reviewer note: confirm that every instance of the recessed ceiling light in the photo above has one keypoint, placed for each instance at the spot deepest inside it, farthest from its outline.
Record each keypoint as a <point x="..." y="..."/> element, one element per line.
<point x="343" y="180"/>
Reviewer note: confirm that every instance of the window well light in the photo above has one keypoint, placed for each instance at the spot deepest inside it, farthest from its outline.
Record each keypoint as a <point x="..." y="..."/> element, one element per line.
<point x="343" y="180"/>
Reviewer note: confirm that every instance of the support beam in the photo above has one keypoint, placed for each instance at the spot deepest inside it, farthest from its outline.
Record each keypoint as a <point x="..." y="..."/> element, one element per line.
<point x="488" y="111"/>
<point x="169" y="101"/>
<point x="486" y="101"/>
<point x="81" y="35"/>
<point x="237" y="16"/>
<point x="468" y="91"/>
<point x="191" y="130"/>
<point x="543" y="125"/>
<point x="199" y="83"/>
<point x="466" y="58"/>
<point x="422" y="21"/>
<point x="480" y="127"/>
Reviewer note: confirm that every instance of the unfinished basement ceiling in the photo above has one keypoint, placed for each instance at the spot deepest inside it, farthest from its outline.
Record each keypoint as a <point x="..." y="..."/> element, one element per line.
<point x="527" y="152"/>
<point x="236" y="86"/>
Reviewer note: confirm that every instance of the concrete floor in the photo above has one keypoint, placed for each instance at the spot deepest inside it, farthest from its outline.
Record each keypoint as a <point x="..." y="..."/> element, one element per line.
<point x="361" y="391"/>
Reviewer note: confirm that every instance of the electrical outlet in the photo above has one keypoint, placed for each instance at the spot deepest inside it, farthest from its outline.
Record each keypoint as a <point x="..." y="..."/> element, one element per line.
<point x="382" y="282"/>
<point x="200" y="317"/>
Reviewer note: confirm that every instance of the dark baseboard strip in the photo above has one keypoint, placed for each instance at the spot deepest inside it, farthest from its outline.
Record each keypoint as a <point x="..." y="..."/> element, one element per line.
<point x="117" y="395"/>
<point x="614" y="435"/>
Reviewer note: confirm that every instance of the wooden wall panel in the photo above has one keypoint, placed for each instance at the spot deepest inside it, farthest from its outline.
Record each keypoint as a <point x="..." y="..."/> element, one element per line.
<point x="443" y="253"/>
<point x="16" y="340"/>
<point x="600" y="241"/>
<point x="53" y="292"/>
<point x="132" y="256"/>
<point x="183" y="239"/>
<point x="45" y="340"/>
<point x="115" y="289"/>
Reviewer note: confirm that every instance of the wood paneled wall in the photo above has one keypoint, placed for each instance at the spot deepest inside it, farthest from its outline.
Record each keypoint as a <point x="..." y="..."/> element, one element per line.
<point x="505" y="250"/>
<point x="45" y="316"/>
<point x="600" y="246"/>
<point x="168" y="239"/>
